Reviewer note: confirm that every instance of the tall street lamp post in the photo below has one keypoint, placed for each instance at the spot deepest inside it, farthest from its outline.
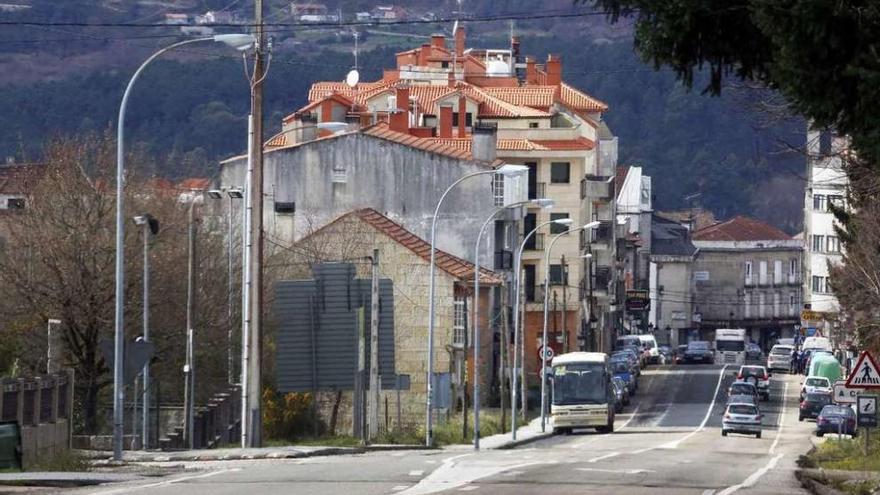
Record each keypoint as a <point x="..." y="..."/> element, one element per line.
<point x="232" y="193"/>
<point x="517" y="263"/>
<point x="590" y="225"/>
<point x="151" y="227"/>
<point x="238" y="41"/>
<point x="542" y="203"/>
<point x="507" y="170"/>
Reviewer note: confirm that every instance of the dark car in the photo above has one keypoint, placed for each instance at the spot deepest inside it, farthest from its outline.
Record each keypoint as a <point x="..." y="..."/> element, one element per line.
<point x="619" y="393"/>
<point x="812" y="405"/>
<point x="679" y="353"/>
<point x="621" y="369"/>
<point x="666" y="354"/>
<point x="836" y="419"/>
<point x="753" y="351"/>
<point x="699" y="351"/>
<point x="624" y="387"/>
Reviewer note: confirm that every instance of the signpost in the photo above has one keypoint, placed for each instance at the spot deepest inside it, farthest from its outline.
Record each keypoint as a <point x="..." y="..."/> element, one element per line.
<point x="844" y="394"/>
<point x="865" y="375"/>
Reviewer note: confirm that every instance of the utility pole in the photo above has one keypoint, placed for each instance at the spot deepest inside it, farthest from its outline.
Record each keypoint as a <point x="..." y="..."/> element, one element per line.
<point x="504" y="341"/>
<point x="189" y="367"/>
<point x="373" y="418"/>
<point x="564" y="305"/>
<point x="254" y="386"/>
<point x="524" y="401"/>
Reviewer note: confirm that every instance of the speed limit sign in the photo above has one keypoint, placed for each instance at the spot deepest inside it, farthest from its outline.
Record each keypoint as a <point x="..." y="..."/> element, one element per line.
<point x="545" y="352"/>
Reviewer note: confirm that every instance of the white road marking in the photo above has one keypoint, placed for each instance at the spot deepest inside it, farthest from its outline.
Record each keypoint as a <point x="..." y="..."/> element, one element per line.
<point x="166" y="482"/>
<point x="708" y="492"/>
<point x="779" y="422"/>
<point x="676" y="443"/>
<point x="468" y="488"/>
<point x="600" y="436"/>
<point x="606" y="456"/>
<point x="447" y="477"/>
<point x="515" y="473"/>
<point x="753" y="478"/>
<point x="617" y="471"/>
<point x="417" y="472"/>
<point x="399" y="488"/>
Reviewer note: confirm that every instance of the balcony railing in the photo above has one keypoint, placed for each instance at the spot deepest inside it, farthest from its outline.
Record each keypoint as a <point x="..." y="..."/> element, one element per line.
<point x="602" y="278"/>
<point x="503" y="260"/>
<point x="597" y="188"/>
<point x="535" y="243"/>
<point x="539" y="191"/>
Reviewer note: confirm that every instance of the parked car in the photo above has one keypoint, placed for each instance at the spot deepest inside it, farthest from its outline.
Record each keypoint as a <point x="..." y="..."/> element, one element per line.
<point x="815" y="385"/>
<point x="836" y="419"/>
<point x="699" y="351"/>
<point x="812" y="405"/>
<point x="634" y="357"/>
<point x="741" y="418"/>
<point x="621" y="369"/>
<point x="623" y="386"/>
<point x="743" y="388"/>
<point x="679" y="353"/>
<point x="619" y="393"/>
<point x="665" y="355"/>
<point x="779" y="357"/>
<point x="757" y="375"/>
<point x="753" y="351"/>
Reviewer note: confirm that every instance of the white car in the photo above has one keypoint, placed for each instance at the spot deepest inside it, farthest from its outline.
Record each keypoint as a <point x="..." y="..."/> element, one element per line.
<point x="741" y="418"/>
<point x="816" y="385"/>
<point x="779" y="357"/>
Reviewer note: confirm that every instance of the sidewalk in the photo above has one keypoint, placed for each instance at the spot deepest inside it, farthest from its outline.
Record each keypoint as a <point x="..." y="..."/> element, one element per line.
<point x="64" y="479"/>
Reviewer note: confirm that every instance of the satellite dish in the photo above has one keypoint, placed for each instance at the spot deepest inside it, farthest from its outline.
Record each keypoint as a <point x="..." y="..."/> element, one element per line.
<point x="352" y="78"/>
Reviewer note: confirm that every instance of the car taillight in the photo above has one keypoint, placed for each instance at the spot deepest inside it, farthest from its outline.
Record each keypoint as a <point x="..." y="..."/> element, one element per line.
<point x="766" y="376"/>
<point x="821" y="420"/>
<point x="739" y="376"/>
<point x="727" y="416"/>
<point x="851" y="422"/>
<point x="758" y="417"/>
<point x="803" y="405"/>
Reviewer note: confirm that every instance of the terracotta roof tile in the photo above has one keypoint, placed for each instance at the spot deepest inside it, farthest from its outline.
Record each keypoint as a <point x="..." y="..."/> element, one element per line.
<point x="579" y="100"/>
<point x="433" y="145"/>
<point x="741" y="228"/>
<point x="620" y="178"/>
<point x="528" y="96"/>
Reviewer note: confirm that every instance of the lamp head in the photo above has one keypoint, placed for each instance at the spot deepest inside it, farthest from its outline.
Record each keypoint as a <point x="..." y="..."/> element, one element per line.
<point x="543" y="203"/>
<point x="563" y="221"/>
<point x="592" y="225"/>
<point x="509" y="170"/>
<point x="235" y="192"/>
<point x="239" y="41"/>
<point x="53" y="321"/>
<point x="141" y="219"/>
<point x="215" y="193"/>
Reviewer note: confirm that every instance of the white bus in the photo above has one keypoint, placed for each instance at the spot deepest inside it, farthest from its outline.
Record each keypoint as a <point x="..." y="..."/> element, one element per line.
<point x="583" y="396"/>
<point x="730" y="346"/>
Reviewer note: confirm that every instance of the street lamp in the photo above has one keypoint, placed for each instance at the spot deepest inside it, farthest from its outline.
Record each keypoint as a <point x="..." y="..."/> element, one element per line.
<point x="151" y="227"/>
<point x="232" y="193"/>
<point x="506" y="170"/>
<point x="237" y="41"/>
<point x="517" y="261"/>
<point x="51" y="359"/>
<point x="541" y="203"/>
<point x="591" y="225"/>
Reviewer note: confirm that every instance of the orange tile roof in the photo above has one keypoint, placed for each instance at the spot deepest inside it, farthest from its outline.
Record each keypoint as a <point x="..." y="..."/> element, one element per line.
<point x="277" y="141"/>
<point x="320" y="90"/>
<point x="579" y="100"/>
<point x="741" y="228"/>
<point x="453" y="265"/>
<point x="432" y="145"/>
<point x="523" y="144"/>
<point x="528" y="96"/>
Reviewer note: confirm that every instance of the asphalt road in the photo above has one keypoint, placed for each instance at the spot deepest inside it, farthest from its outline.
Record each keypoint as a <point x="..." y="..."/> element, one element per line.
<point x="667" y="441"/>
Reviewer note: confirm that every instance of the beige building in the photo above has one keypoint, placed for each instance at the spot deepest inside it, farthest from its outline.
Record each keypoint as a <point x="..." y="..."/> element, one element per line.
<point x="404" y="259"/>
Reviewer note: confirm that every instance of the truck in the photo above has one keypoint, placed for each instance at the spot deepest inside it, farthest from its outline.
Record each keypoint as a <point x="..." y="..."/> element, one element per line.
<point x="730" y="346"/>
<point x="582" y="392"/>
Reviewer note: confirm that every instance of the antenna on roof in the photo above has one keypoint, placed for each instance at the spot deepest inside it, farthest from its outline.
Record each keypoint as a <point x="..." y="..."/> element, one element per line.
<point x="356" y="36"/>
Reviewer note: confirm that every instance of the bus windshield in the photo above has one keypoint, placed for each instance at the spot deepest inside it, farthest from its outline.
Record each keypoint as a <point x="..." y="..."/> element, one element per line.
<point x="730" y="345"/>
<point x="579" y="383"/>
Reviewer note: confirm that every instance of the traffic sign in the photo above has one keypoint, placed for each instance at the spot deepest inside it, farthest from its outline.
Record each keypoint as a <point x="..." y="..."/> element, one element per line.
<point x="843" y="394"/>
<point x="545" y="350"/>
<point x="867" y="410"/>
<point x="810" y="315"/>
<point x="865" y="374"/>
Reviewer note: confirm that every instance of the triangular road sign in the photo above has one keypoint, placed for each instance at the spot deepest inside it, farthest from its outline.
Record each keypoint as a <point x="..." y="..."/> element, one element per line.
<point x="865" y="374"/>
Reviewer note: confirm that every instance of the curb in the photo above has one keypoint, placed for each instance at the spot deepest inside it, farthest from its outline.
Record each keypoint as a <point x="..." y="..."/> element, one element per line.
<point x="291" y="453"/>
<point x="813" y="486"/>
<point x="518" y="443"/>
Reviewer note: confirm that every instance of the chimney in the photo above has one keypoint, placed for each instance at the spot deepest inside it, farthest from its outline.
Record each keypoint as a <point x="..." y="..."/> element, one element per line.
<point x="514" y="57"/>
<point x="438" y="41"/>
<point x="399" y="118"/>
<point x="327" y="110"/>
<point x="354" y="121"/>
<point x="484" y="142"/>
<point x="451" y="80"/>
<point x="446" y="121"/>
<point x="424" y="55"/>
<point x="531" y="71"/>
<point x="308" y="128"/>
<point x="554" y="70"/>
<point x="462" y="113"/>
<point x="459" y="43"/>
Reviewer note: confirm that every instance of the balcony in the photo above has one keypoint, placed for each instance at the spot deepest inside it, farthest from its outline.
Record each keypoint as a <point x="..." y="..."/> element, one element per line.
<point x="535" y="243"/>
<point x="597" y="188"/>
<point x="503" y="260"/>
<point x="538" y="191"/>
<point x="603" y="235"/>
<point x="602" y="278"/>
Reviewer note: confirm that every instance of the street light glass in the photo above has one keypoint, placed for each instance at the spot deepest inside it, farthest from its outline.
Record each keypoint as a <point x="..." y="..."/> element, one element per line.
<point x="592" y="225"/>
<point x="543" y="202"/>
<point x="563" y="221"/>
<point x="238" y="41"/>
<point x="509" y="170"/>
<point x="235" y="193"/>
<point x="215" y="194"/>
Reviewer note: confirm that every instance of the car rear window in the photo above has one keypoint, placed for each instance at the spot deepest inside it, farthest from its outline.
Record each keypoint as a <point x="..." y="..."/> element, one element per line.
<point x="742" y="409"/>
<point x="752" y="371"/>
<point x="837" y="411"/>
<point x="781" y="351"/>
<point x="817" y="382"/>
<point x="819" y="398"/>
<point x="698" y="345"/>
<point x="742" y="388"/>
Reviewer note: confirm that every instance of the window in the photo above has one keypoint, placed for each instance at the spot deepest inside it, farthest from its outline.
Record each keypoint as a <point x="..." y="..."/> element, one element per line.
<point x="833" y="244"/>
<point x="498" y="189"/>
<point x="533" y="125"/>
<point x="558" y="228"/>
<point x="792" y="304"/>
<point x="818" y="284"/>
<point x="792" y="270"/>
<point x="747" y="305"/>
<point x="15" y="204"/>
<point x="835" y="200"/>
<point x="762" y="272"/>
<point x="748" y="269"/>
<point x="459" y="322"/>
<point x="818" y="243"/>
<point x="777" y="272"/>
<point x="560" y="172"/>
<point x="468" y="119"/>
<point x="819" y="202"/>
<point x="762" y="303"/>
<point x="444" y="65"/>
<point x="777" y="302"/>
<point x="557" y="277"/>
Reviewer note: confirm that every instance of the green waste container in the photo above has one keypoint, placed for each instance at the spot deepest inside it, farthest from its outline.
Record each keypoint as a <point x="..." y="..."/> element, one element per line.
<point x="10" y="446"/>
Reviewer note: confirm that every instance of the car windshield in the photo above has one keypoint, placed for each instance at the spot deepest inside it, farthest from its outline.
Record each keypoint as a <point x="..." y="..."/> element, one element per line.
<point x="579" y="383"/>
<point x="819" y="398"/>
<point x="698" y="346"/>
<point x="817" y="382"/>
<point x="780" y="351"/>
<point x="730" y="345"/>
<point x="742" y="409"/>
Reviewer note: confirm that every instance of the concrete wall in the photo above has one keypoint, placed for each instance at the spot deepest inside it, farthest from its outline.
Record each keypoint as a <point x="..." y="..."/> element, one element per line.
<point x="329" y="177"/>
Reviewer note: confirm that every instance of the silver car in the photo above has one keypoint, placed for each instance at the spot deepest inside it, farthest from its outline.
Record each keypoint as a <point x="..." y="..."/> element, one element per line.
<point x="741" y="418"/>
<point x="779" y="358"/>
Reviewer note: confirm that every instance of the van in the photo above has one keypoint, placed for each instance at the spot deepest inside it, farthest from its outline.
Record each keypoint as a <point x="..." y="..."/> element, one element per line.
<point x="820" y="343"/>
<point x="649" y="344"/>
